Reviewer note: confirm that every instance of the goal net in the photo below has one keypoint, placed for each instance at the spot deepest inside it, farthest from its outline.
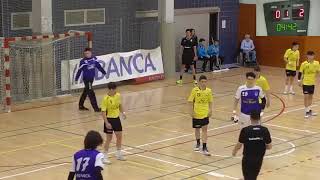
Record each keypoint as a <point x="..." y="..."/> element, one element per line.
<point x="31" y="67"/>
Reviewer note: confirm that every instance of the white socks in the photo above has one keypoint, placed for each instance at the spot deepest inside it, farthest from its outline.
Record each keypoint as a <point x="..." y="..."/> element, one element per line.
<point x="307" y="109"/>
<point x="291" y="88"/>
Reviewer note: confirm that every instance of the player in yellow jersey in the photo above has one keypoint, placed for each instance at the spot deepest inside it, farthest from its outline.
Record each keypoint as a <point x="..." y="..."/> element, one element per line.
<point x="262" y="82"/>
<point x="308" y="75"/>
<point x="111" y="108"/>
<point x="201" y="99"/>
<point x="291" y="58"/>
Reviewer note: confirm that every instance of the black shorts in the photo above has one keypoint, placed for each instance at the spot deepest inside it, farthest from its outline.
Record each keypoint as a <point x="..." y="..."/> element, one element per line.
<point x="291" y="73"/>
<point x="187" y="57"/>
<point x="263" y="104"/>
<point x="308" y="89"/>
<point x="115" y="124"/>
<point x="251" y="167"/>
<point x="199" y="123"/>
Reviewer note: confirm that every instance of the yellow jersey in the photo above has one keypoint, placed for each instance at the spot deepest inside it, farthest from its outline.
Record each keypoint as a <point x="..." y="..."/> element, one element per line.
<point x="309" y="72"/>
<point x="201" y="100"/>
<point x="111" y="105"/>
<point x="263" y="83"/>
<point x="292" y="57"/>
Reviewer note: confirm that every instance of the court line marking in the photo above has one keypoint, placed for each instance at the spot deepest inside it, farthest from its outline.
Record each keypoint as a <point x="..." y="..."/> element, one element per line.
<point x="142" y="145"/>
<point x="29" y="172"/>
<point x="152" y="122"/>
<point x="62" y="140"/>
<point x="285" y="127"/>
<point x="285" y="153"/>
<point x="159" y="169"/>
<point x="156" y="142"/>
<point x="164" y="129"/>
<point x="38" y="145"/>
<point x="185" y="166"/>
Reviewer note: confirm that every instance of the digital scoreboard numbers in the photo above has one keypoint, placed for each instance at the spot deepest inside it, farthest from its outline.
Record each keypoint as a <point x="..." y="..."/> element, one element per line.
<point x="287" y="18"/>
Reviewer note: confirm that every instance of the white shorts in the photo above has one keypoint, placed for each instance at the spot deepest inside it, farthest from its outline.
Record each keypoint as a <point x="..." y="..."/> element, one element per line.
<point x="244" y="120"/>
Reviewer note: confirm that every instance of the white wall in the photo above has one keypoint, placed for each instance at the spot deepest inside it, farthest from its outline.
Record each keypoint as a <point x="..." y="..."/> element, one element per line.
<point x="314" y="22"/>
<point x="314" y="25"/>
<point x="199" y="22"/>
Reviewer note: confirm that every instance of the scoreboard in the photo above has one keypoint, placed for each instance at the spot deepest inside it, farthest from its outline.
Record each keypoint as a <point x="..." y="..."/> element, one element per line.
<point x="287" y="17"/>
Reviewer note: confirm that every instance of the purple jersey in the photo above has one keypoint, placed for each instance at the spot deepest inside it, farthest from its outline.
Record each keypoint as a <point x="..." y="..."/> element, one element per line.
<point x="249" y="98"/>
<point x="85" y="162"/>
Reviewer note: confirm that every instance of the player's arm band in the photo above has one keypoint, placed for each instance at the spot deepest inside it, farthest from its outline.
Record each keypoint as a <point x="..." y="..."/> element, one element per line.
<point x="299" y="76"/>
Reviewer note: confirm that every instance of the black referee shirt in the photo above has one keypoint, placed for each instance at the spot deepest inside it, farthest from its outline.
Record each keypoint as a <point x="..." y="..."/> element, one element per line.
<point x="254" y="139"/>
<point x="188" y="43"/>
<point x="195" y="38"/>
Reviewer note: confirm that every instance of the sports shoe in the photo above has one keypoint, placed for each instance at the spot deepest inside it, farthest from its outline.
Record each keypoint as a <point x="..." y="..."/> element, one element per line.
<point x="179" y="82"/>
<point x="292" y="92"/>
<point x="120" y="156"/>
<point x="307" y="115"/>
<point x="195" y="82"/>
<point x="196" y="147"/>
<point x="235" y="119"/>
<point x="97" y="110"/>
<point x="82" y="108"/>
<point x="106" y="160"/>
<point x="285" y="92"/>
<point x="311" y="113"/>
<point x="205" y="152"/>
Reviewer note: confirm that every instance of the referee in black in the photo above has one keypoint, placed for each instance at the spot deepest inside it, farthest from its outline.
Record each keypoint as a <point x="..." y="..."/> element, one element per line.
<point x="189" y="55"/>
<point x="256" y="139"/>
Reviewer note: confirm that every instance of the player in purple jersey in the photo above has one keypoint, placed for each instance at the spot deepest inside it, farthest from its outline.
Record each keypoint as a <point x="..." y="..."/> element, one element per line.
<point x="248" y="95"/>
<point x="87" y="163"/>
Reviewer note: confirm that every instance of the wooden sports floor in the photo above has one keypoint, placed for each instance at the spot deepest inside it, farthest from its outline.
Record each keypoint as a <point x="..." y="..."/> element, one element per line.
<point x="38" y="143"/>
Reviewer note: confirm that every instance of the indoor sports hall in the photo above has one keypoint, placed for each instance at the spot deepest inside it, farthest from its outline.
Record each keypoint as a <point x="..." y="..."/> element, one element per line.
<point x="149" y="49"/>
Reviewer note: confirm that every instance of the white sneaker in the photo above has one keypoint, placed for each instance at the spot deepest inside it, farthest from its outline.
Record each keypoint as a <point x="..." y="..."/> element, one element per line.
<point x="262" y="113"/>
<point x="311" y="113"/>
<point x="285" y="92"/>
<point x="205" y="152"/>
<point x="120" y="156"/>
<point x="307" y="115"/>
<point x="196" y="147"/>
<point x="235" y="119"/>
<point x="195" y="82"/>
<point x="106" y="160"/>
<point x="292" y="92"/>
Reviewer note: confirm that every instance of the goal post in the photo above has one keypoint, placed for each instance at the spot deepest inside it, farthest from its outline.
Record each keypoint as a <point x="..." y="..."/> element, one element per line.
<point x="31" y="65"/>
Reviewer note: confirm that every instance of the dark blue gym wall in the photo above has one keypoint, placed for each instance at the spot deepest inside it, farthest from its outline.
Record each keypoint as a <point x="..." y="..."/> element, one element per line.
<point x="229" y="12"/>
<point x="12" y="6"/>
<point x="107" y="36"/>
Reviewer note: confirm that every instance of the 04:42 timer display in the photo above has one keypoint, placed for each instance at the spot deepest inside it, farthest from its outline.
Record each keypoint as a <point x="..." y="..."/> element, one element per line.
<point x="288" y="17"/>
<point x="285" y="27"/>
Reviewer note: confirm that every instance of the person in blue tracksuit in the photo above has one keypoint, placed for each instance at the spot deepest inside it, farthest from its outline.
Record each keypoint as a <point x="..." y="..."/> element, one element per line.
<point x="215" y="53"/>
<point x="88" y="67"/>
<point x="202" y="55"/>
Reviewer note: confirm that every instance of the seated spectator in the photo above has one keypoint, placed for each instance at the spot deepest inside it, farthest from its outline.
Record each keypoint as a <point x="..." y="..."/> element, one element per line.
<point x="215" y="53"/>
<point x="248" y="49"/>
<point x="202" y="54"/>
